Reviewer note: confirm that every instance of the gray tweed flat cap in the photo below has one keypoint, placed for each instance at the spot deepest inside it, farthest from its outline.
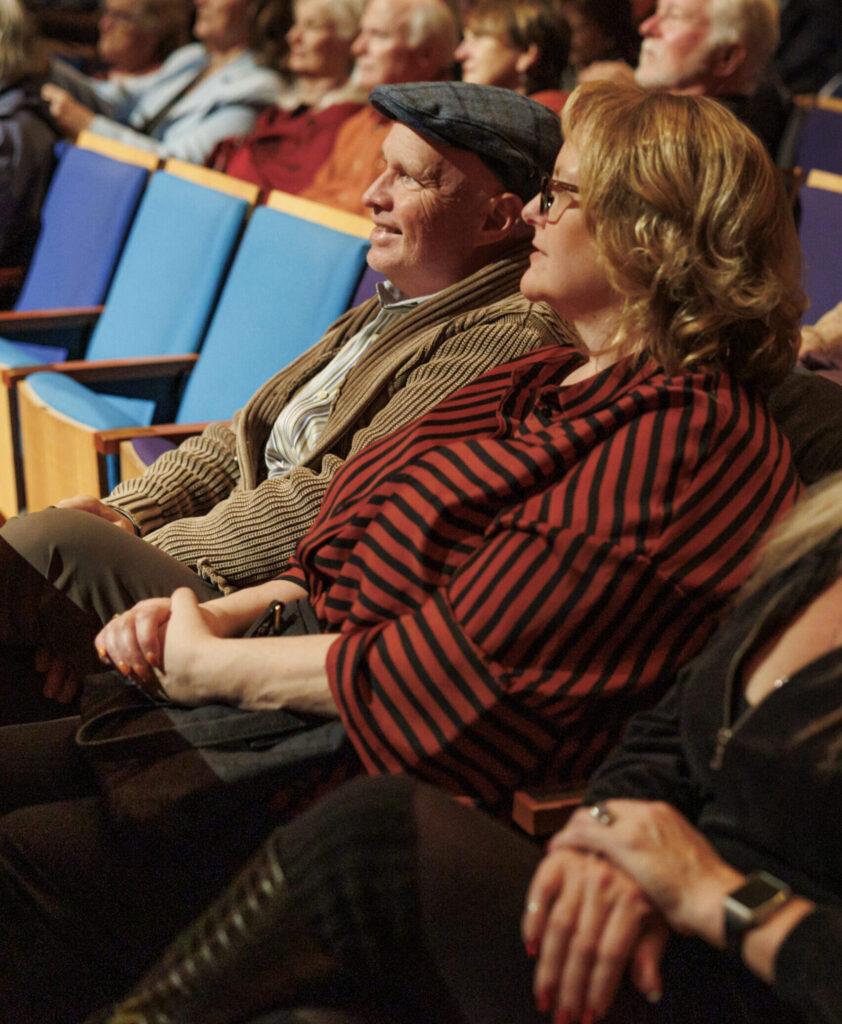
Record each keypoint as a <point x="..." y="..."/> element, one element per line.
<point x="515" y="137"/>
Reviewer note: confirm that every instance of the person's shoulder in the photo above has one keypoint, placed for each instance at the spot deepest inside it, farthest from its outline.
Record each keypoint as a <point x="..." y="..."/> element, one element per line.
<point x="245" y="79"/>
<point x="364" y="120"/>
<point x="184" y="57"/>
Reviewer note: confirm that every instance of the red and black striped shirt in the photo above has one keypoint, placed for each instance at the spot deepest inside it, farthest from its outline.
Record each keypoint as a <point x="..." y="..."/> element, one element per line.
<point x="518" y="570"/>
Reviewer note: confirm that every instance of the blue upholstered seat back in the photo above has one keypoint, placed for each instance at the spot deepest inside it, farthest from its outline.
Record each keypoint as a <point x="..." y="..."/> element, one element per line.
<point x="166" y="282"/>
<point x="84" y="221"/>
<point x="820" y="142"/>
<point x="162" y="296"/>
<point x="290" y="280"/>
<point x="820" y="231"/>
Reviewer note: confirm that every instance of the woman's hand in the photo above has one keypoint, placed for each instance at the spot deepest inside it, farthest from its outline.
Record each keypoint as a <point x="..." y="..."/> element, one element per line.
<point x="588" y="921"/>
<point x="164" y="644"/>
<point x="187" y="673"/>
<point x="680" y="872"/>
<point x="69" y="114"/>
<point x="134" y="641"/>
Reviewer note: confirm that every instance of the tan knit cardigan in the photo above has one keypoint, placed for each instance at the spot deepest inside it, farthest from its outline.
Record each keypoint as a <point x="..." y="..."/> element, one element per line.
<point x="209" y="504"/>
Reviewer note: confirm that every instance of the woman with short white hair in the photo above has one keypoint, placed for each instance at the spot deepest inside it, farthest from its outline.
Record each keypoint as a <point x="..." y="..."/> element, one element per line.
<point x="290" y="141"/>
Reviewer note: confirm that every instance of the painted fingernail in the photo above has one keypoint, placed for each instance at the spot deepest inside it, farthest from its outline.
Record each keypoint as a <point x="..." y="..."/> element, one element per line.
<point x="654" y="996"/>
<point x="544" y="1001"/>
<point x="123" y="667"/>
<point x="139" y="670"/>
<point x="532" y="948"/>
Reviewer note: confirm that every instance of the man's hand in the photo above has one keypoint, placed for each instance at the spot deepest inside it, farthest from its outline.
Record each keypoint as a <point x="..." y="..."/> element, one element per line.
<point x="88" y="503"/>
<point x="61" y="679"/>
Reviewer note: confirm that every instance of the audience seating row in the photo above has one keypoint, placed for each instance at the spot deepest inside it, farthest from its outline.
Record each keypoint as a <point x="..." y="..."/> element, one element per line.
<point x="813" y="137"/>
<point x="205" y="283"/>
<point x="820" y="232"/>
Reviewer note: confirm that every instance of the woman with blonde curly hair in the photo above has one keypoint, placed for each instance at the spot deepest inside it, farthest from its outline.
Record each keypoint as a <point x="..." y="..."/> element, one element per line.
<point x="691" y="227"/>
<point x="507" y="579"/>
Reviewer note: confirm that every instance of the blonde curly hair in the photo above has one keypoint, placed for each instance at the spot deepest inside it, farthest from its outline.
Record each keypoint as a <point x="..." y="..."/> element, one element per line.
<point x="693" y="227"/>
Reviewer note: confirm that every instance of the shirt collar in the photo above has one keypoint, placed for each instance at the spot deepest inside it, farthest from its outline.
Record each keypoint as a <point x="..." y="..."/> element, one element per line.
<point x="391" y="297"/>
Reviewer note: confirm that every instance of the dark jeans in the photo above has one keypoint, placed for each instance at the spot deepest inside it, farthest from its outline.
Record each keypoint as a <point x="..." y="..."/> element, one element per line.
<point x="63" y="573"/>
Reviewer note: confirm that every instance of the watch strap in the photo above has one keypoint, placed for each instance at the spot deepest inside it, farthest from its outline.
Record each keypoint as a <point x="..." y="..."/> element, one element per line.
<point x="768" y="895"/>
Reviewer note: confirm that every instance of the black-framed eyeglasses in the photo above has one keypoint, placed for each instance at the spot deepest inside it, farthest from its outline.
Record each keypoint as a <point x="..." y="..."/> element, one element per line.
<point x="554" y="192"/>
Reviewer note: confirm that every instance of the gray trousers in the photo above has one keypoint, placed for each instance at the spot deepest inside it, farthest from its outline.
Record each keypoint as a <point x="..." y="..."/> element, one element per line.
<point x="63" y="573"/>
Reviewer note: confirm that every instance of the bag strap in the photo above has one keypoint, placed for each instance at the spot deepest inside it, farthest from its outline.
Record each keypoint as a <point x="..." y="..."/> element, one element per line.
<point x="220" y="730"/>
<point x="151" y="123"/>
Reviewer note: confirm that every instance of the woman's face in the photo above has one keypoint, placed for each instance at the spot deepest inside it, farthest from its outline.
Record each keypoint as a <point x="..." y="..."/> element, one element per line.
<point x="222" y="24"/>
<point x="127" y="41"/>
<point x="587" y="41"/>
<point x="488" y="58"/>
<point x="564" y="269"/>
<point x="315" y="48"/>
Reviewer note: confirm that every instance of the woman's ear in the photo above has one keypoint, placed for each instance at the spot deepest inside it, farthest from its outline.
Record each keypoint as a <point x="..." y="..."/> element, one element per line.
<point x="526" y="59"/>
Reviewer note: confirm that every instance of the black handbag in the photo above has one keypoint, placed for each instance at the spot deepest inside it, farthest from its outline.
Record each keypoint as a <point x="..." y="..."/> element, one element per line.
<point x="154" y="760"/>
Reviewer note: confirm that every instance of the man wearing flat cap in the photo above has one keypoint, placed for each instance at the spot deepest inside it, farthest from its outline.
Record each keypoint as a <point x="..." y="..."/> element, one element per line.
<point x="227" y="508"/>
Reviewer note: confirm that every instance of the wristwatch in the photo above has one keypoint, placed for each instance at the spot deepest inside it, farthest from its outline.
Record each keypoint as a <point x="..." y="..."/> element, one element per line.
<point x="752" y="904"/>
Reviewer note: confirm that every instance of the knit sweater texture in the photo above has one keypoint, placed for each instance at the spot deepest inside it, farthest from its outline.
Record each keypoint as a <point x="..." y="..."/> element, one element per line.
<point x="208" y="502"/>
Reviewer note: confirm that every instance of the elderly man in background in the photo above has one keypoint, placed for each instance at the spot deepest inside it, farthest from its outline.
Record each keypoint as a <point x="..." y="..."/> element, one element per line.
<point x="399" y="41"/>
<point x="718" y="48"/>
<point x="226" y="509"/>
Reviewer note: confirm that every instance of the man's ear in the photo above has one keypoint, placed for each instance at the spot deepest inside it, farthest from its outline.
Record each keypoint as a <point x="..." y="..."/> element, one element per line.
<point x="728" y="59"/>
<point x="502" y="218"/>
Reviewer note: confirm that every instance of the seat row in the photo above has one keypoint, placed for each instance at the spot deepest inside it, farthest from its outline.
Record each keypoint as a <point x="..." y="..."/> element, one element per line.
<point x="205" y="297"/>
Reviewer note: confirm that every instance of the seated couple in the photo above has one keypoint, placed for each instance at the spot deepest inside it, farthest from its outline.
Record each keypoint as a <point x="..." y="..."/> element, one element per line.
<point x="618" y="486"/>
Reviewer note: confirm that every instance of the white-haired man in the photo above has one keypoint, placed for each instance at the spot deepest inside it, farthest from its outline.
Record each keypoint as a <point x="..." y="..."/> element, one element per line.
<point x="718" y="48"/>
<point x="399" y="41"/>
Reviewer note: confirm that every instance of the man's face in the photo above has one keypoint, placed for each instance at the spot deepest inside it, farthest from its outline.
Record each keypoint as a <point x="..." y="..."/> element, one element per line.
<point x="676" y="52"/>
<point x="428" y="206"/>
<point x="381" y="49"/>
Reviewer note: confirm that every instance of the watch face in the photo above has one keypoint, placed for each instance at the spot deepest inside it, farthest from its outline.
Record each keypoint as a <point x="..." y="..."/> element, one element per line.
<point x="756" y="892"/>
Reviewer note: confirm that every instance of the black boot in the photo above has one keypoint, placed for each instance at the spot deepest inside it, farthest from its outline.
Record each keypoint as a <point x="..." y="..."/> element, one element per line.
<point x="246" y="955"/>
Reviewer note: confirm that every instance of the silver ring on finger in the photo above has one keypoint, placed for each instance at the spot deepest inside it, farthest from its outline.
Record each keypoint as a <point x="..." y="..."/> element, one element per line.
<point x="599" y="812"/>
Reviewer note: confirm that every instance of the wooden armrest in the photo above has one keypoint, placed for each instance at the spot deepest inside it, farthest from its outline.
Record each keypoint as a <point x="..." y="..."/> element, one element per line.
<point x="107" y="442"/>
<point x="542" y="812"/>
<point x="48" y="319"/>
<point x="83" y="370"/>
